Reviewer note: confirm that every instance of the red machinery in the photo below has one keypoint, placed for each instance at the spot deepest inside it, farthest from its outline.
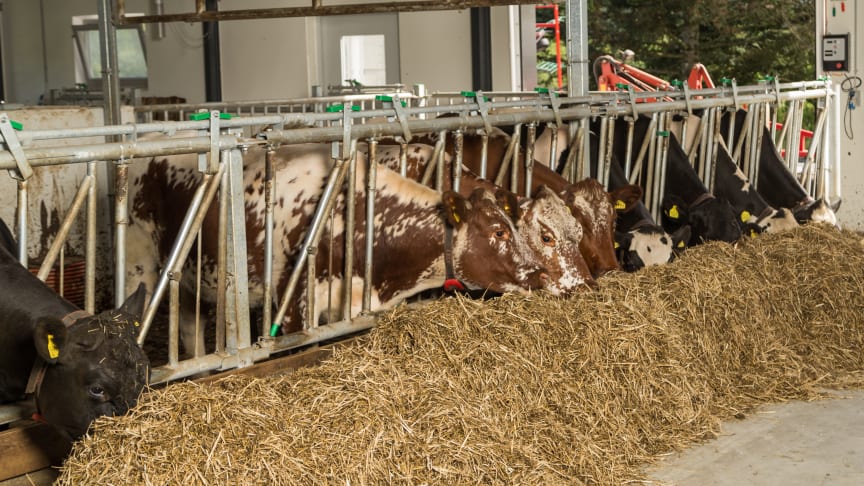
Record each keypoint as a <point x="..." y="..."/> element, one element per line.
<point x="611" y="72"/>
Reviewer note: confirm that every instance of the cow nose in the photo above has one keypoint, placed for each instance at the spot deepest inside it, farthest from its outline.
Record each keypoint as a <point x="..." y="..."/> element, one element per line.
<point x="544" y="277"/>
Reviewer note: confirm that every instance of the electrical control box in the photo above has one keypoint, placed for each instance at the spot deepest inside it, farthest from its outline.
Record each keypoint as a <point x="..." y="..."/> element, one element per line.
<point x="835" y="52"/>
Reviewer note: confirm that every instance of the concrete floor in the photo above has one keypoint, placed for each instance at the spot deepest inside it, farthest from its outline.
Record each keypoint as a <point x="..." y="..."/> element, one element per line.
<point x="795" y="443"/>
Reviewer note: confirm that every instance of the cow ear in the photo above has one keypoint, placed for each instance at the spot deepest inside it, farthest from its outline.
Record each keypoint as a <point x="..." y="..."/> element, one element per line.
<point x="134" y="304"/>
<point x="49" y="337"/>
<point x="508" y="202"/>
<point x="681" y="237"/>
<point x="455" y="208"/>
<point x="835" y="206"/>
<point x="625" y="198"/>
<point x="623" y="240"/>
<point x="674" y="208"/>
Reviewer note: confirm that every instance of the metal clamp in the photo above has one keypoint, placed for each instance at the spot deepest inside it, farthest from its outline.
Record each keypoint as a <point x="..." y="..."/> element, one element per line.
<point x="403" y="119"/>
<point x="555" y="104"/>
<point x="632" y="97"/>
<point x="687" y="99"/>
<point x="10" y="138"/>
<point x="483" y="110"/>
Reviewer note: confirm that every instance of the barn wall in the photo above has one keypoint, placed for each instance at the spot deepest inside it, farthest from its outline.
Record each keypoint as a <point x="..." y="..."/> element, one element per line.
<point x="435" y="49"/>
<point x="830" y="19"/>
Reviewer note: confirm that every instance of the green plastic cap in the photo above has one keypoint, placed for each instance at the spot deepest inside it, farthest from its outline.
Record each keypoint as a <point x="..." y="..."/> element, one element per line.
<point x="274" y="329"/>
<point x="206" y="116"/>
<point x="16" y="125"/>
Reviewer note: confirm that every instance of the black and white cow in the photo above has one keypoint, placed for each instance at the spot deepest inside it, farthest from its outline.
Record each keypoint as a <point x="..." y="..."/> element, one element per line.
<point x="779" y="187"/>
<point x="731" y="184"/>
<point x="78" y="366"/>
<point x="419" y="233"/>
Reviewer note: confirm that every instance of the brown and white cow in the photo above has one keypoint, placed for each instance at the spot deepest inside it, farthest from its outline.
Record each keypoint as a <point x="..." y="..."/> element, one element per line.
<point x="544" y="219"/>
<point x="590" y="204"/>
<point x="412" y="226"/>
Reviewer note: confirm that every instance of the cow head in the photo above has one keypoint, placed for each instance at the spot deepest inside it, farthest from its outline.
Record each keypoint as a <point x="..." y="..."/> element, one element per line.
<point x="94" y="367"/>
<point x="554" y="234"/>
<point x="488" y="251"/>
<point x="710" y="219"/>
<point x="594" y="208"/>
<point x="818" y="211"/>
<point x="777" y="220"/>
<point x="649" y="245"/>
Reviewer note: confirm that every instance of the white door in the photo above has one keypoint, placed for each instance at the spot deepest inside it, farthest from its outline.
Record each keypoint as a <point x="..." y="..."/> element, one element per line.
<point x="364" y="48"/>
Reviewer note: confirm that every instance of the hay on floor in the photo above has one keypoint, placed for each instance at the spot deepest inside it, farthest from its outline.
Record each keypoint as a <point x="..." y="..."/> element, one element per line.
<point x="526" y="390"/>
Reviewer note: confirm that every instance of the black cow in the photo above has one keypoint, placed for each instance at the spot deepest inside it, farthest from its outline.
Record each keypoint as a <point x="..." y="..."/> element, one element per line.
<point x="686" y="200"/>
<point x="79" y="366"/>
<point x="778" y="186"/>
<point x="754" y="212"/>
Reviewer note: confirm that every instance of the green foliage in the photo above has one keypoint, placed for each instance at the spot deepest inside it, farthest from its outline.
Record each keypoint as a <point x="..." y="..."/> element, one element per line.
<point x="732" y="38"/>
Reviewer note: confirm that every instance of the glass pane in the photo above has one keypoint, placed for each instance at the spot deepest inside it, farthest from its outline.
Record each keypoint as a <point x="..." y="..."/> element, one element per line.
<point x="363" y="59"/>
<point x="130" y="54"/>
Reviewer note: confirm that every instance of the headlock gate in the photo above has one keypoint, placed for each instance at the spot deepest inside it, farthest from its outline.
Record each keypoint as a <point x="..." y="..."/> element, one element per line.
<point x="220" y="142"/>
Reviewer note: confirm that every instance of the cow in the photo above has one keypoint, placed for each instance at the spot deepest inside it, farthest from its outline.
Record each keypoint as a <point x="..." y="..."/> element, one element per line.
<point x="590" y="204"/>
<point x="544" y="220"/>
<point x="686" y="199"/>
<point x="731" y="184"/>
<point x="422" y="237"/>
<point x="778" y="186"/>
<point x="76" y="365"/>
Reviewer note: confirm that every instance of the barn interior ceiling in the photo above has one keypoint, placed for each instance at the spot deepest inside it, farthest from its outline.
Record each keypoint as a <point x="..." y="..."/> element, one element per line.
<point x="312" y="8"/>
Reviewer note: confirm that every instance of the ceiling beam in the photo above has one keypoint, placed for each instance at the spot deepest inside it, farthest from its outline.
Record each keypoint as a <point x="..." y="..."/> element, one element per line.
<point x="315" y="8"/>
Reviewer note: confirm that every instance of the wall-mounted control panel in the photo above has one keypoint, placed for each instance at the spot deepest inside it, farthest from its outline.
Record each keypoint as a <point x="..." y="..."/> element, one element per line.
<point x="835" y="52"/>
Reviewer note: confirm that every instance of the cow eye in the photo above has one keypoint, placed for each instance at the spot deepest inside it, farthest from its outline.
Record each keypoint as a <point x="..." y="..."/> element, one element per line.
<point x="97" y="391"/>
<point x="502" y="234"/>
<point x="548" y="240"/>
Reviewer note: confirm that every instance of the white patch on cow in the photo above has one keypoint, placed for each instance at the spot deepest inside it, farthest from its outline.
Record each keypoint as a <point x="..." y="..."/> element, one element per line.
<point x="142" y="253"/>
<point x="652" y="248"/>
<point x="745" y="184"/>
<point x="779" y="220"/>
<point x="823" y="214"/>
<point x="543" y="145"/>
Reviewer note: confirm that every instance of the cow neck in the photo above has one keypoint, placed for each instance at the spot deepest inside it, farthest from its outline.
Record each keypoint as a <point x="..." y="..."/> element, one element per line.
<point x="702" y="199"/>
<point x="37" y="373"/>
<point x="451" y="283"/>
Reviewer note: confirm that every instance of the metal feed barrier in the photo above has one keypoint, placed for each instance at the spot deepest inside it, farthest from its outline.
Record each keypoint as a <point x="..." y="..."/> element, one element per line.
<point x="219" y="142"/>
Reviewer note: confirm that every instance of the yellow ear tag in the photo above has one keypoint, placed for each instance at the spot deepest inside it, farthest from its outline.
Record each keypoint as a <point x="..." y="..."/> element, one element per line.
<point x="753" y="234"/>
<point x="456" y="217"/>
<point x="673" y="211"/>
<point x="507" y="208"/>
<point x="745" y="216"/>
<point x="681" y="244"/>
<point x="619" y="204"/>
<point x="53" y="352"/>
<point x="617" y="245"/>
<point x="137" y="324"/>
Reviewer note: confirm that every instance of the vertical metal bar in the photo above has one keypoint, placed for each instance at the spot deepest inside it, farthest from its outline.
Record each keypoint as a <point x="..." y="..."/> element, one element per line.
<point x="350" y="219"/>
<point x="121" y="223"/>
<point x="22" y="221"/>
<point x="602" y="146"/>
<point x="90" y="244"/>
<point x="311" y="280"/>
<point x="508" y="156"/>
<point x="529" y="157"/>
<point x="269" y="198"/>
<point x="514" y="158"/>
<point x="456" y="168"/>
<point x="221" y="261"/>
<point x="715" y="141"/>
<point x="237" y="332"/>
<point x="110" y="69"/>
<point x="173" y="320"/>
<point x="553" y="149"/>
<point x="371" y="189"/>
<point x="628" y="155"/>
<point x="664" y="156"/>
<point x="484" y="154"/>
<point x="577" y="68"/>
<point x="403" y="159"/>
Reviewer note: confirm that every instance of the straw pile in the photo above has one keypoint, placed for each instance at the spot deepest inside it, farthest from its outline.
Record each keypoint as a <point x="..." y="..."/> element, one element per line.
<point x="519" y="390"/>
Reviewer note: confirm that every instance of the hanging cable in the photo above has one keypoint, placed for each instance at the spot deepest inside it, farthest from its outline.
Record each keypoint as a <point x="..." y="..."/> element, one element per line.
<point x="849" y="86"/>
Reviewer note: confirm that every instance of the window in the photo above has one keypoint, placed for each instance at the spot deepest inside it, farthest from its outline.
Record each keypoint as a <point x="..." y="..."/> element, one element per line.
<point x="363" y="59"/>
<point x="131" y="55"/>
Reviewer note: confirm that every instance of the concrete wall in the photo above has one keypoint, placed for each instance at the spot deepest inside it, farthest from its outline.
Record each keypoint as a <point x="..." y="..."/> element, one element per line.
<point x="831" y="19"/>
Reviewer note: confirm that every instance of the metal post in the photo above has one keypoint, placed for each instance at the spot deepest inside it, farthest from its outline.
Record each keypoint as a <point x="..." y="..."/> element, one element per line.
<point x="350" y="219"/>
<point x="90" y="244"/>
<point x="269" y="198"/>
<point x="529" y="157"/>
<point x="121" y="223"/>
<point x="22" y="221"/>
<point x="371" y="189"/>
<point x="456" y="167"/>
